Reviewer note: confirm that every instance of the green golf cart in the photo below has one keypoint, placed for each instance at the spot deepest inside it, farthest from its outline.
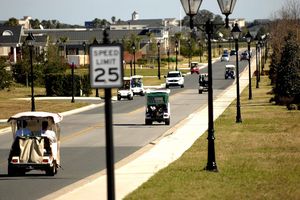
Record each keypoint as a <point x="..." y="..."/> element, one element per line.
<point x="157" y="107"/>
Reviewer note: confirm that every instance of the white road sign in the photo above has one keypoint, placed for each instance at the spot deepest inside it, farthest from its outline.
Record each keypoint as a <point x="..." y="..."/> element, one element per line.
<point x="106" y="66"/>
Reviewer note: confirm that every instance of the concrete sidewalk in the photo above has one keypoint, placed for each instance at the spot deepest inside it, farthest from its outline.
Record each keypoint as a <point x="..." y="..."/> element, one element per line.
<point x="155" y="156"/>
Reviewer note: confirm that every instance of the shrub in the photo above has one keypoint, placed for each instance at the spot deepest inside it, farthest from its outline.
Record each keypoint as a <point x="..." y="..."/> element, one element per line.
<point x="5" y="78"/>
<point x="61" y="85"/>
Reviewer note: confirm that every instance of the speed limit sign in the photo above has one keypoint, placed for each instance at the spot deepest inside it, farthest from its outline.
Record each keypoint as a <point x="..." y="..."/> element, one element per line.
<point x="106" y="66"/>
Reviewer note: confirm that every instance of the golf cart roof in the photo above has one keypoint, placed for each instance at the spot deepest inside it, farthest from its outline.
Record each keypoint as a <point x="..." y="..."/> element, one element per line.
<point x="126" y="78"/>
<point x="55" y="116"/>
<point x="137" y="76"/>
<point x="157" y="97"/>
<point x="157" y="91"/>
<point x="229" y="66"/>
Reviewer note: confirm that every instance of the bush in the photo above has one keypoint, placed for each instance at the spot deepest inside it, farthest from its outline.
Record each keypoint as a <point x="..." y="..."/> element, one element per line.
<point x="5" y="78"/>
<point x="61" y="85"/>
<point x="292" y="107"/>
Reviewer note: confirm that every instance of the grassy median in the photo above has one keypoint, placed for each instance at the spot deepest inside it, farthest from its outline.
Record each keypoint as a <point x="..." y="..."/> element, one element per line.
<point x="257" y="159"/>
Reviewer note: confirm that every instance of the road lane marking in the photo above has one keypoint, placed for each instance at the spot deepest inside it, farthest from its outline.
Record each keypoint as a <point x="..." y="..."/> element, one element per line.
<point x="82" y="132"/>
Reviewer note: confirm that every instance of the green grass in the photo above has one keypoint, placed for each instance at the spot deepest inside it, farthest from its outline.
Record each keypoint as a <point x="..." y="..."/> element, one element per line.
<point x="257" y="159"/>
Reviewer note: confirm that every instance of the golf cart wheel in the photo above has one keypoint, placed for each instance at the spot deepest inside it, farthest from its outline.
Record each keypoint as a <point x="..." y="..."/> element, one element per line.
<point x="167" y="86"/>
<point x="200" y="91"/>
<point x="148" y="122"/>
<point x="119" y="98"/>
<point x="182" y="86"/>
<point x="11" y="171"/>
<point x="51" y="171"/>
<point x="167" y="122"/>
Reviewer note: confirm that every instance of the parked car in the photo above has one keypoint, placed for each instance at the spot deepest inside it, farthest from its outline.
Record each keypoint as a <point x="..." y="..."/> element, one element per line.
<point x="233" y="52"/>
<point x="125" y="91"/>
<point x="157" y="107"/>
<point x="203" y="83"/>
<point x="174" y="78"/>
<point x="39" y="148"/>
<point x="137" y="86"/>
<point x="195" y="68"/>
<point x="229" y="71"/>
<point x="225" y="57"/>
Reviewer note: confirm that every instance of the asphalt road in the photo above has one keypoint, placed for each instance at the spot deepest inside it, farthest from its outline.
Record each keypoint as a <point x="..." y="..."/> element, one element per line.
<point x="83" y="137"/>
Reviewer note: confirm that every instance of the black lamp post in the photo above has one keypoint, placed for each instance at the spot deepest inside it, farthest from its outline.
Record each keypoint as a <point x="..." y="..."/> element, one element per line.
<point x="200" y="51"/>
<point x="176" y="53"/>
<point x="257" y="66"/>
<point x="158" y="60"/>
<point x="190" y="51"/>
<point x="248" y="37"/>
<point x="236" y="34"/>
<point x="84" y="51"/>
<point x="95" y="42"/>
<point x="226" y="7"/>
<point x="30" y="40"/>
<point x="133" y="49"/>
<point x="168" y="54"/>
<point x="259" y="60"/>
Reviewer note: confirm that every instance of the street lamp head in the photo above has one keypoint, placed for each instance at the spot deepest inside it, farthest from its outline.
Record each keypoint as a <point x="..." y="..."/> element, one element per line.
<point x="191" y="7"/>
<point x="158" y="44"/>
<point x="226" y="7"/>
<point x="133" y="46"/>
<point x="30" y="39"/>
<point x="95" y="42"/>
<point x="248" y="37"/>
<point x="236" y="32"/>
<point x="83" y="44"/>
<point x="176" y="43"/>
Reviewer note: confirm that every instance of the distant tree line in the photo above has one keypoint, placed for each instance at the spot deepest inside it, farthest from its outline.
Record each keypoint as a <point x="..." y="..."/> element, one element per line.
<point x="55" y="24"/>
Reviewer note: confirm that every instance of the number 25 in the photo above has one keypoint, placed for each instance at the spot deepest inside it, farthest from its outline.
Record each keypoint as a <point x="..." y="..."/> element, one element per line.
<point x="111" y="71"/>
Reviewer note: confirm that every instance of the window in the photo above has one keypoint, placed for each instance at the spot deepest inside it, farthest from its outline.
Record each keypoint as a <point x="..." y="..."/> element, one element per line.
<point x="7" y="33"/>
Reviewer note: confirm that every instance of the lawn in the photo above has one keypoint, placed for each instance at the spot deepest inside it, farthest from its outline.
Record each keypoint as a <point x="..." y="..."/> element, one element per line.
<point x="257" y="159"/>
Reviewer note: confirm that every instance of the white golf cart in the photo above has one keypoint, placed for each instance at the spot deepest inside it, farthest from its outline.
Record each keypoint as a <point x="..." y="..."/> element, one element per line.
<point x="229" y="71"/>
<point x="137" y="85"/>
<point x="157" y="106"/>
<point x="34" y="151"/>
<point x="125" y="91"/>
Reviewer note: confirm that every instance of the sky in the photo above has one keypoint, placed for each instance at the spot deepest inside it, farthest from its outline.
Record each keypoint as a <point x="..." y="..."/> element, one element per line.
<point x="77" y="12"/>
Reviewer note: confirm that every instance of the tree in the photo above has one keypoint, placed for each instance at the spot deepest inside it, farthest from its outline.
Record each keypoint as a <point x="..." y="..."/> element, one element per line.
<point x="285" y="22"/>
<point x="287" y="87"/>
<point x="98" y="23"/>
<point x="12" y="22"/>
<point x="5" y="76"/>
<point x="113" y="19"/>
<point x="35" y="23"/>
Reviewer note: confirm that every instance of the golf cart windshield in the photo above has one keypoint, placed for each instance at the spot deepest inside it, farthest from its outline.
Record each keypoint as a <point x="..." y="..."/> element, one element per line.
<point x="126" y="85"/>
<point x="136" y="82"/>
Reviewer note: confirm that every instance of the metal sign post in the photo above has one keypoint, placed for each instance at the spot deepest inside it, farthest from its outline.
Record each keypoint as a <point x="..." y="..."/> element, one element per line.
<point x="106" y="71"/>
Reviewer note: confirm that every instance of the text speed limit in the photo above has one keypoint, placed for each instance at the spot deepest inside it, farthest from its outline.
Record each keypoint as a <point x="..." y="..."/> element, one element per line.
<point x="106" y="66"/>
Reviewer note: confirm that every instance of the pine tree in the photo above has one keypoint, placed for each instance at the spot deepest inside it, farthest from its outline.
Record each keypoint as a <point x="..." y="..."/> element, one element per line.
<point x="287" y="87"/>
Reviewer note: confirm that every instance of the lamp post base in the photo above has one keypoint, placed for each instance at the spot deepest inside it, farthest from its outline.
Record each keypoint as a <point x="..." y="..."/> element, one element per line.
<point x="212" y="167"/>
